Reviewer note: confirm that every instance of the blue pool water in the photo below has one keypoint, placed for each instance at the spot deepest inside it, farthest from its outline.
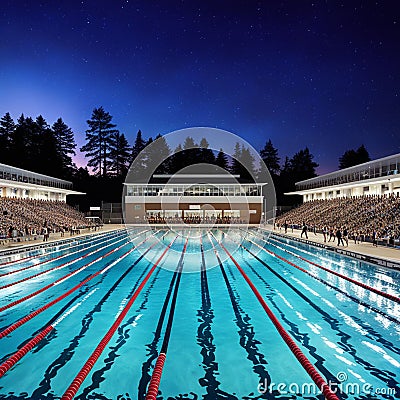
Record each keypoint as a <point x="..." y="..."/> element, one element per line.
<point x="222" y="344"/>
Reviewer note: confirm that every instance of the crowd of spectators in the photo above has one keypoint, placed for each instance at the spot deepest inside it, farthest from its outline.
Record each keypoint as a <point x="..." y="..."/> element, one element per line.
<point x="370" y="217"/>
<point x="194" y="219"/>
<point x="29" y="217"/>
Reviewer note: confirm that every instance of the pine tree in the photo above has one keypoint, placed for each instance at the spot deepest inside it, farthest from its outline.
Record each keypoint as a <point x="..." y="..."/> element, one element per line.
<point x="47" y="158"/>
<point x="177" y="160"/>
<point x="236" y="167"/>
<point x="163" y="158"/>
<point x="269" y="155"/>
<point x="247" y="171"/>
<point x="119" y="154"/>
<point x="7" y="127"/>
<point x="354" y="157"/>
<point x="99" y="141"/>
<point x="206" y="155"/>
<point x="222" y="160"/>
<point x="138" y="146"/>
<point x="363" y="155"/>
<point x="191" y="152"/>
<point x="24" y="141"/>
<point x="65" y="145"/>
<point x="302" y="166"/>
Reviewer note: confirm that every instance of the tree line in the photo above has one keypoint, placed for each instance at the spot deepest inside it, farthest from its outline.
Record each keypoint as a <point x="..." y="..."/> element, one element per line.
<point x="48" y="149"/>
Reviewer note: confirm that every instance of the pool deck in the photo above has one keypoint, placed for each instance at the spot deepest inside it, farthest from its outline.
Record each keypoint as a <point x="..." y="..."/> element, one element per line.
<point x="54" y="237"/>
<point x="390" y="255"/>
<point x="366" y="249"/>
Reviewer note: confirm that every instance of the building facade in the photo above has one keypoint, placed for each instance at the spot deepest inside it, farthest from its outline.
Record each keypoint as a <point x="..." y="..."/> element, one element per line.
<point x="193" y="198"/>
<point x="378" y="177"/>
<point x="20" y="183"/>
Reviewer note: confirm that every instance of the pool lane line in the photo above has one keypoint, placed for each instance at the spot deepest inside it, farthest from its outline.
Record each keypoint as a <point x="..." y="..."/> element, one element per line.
<point x="350" y="267"/>
<point x="155" y="380"/>
<point x="204" y="335"/>
<point x="121" y="340"/>
<point x="153" y="354"/>
<point x="73" y="243"/>
<point x="33" y="314"/>
<point x="333" y="322"/>
<point x="67" y="353"/>
<point x="294" y="329"/>
<point x="110" y="265"/>
<point x="12" y="360"/>
<point x="363" y="285"/>
<point x="247" y="339"/>
<point x="305" y="363"/>
<point x="55" y="268"/>
<point x="67" y="276"/>
<point x="82" y="374"/>
<point x="349" y="348"/>
<point x="95" y="242"/>
<point x="351" y="297"/>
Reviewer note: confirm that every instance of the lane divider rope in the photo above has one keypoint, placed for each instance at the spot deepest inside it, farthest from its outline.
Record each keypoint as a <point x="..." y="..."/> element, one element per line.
<point x="82" y="374"/>
<point x="97" y="240"/>
<point x="84" y="239"/>
<point x="155" y="380"/>
<point x="306" y="364"/>
<point x="65" y="277"/>
<point x="11" y="361"/>
<point x="334" y="287"/>
<point x="361" y="284"/>
<point x="33" y="314"/>
<point x="57" y="267"/>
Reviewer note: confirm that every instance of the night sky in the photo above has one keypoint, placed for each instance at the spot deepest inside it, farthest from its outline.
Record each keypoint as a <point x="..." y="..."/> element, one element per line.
<point x="322" y="74"/>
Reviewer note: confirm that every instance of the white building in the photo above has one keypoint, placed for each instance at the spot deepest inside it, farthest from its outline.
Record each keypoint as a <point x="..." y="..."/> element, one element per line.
<point x="202" y="196"/>
<point x="376" y="177"/>
<point x="17" y="182"/>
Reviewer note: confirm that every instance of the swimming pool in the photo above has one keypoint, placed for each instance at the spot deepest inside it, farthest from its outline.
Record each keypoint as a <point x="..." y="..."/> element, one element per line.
<point x="57" y="307"/>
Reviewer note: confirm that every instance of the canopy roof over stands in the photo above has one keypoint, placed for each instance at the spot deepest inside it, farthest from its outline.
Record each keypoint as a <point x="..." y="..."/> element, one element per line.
<point x="21" y="179"/>
<point x="384" y="172"/>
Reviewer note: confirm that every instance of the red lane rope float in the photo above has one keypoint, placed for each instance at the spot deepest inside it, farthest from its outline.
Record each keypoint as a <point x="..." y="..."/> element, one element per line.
<point x="54" y="268"/>
<point x="33" y="314"/>
<point x="65" y="277"/>
<point x="363" y="285"/>
<point x="3" y="264"/>
<point x="11" y="361"/>
<point x="82" y="374"/>
<point x="97" y="240"/>
<point x="155" y="380"/>
<point x="391" y="318"/>
<point x="23" y="350"/>
<point x="304" y="361"/>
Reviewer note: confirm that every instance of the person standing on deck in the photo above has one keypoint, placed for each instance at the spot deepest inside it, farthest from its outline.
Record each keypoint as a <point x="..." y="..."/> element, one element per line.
<point x="304" y="230"/>
<point x="346" y="236"/>
<point x="339" y="237"/>
<point x="286" y="226"/>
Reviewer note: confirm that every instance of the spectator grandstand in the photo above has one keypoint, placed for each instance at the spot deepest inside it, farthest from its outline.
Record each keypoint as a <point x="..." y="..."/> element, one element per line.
<point x="361" y="215"/>
<point x="25" y="217"/>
